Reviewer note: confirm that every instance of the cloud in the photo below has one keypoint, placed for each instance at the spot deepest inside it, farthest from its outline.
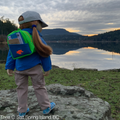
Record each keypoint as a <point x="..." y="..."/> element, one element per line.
<point x="85" y="16"/>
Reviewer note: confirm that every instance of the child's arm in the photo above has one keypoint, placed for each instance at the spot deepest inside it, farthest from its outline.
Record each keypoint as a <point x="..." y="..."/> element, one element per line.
<point x="10" y="64"/>
<point x="46" y="62"/>
<point x="10" y="72"/>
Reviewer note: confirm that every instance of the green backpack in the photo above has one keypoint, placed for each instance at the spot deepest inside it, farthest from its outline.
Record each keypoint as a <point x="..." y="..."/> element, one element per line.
<point x="20" y="43"/>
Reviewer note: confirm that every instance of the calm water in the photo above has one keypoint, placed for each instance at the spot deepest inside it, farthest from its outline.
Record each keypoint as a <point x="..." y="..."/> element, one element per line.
<point x="81" y="55"/>
<point x="87" y="58"/>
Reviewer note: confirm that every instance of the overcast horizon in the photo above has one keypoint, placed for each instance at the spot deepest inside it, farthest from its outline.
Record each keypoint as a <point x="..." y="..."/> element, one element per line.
<point x="85" y="17"/>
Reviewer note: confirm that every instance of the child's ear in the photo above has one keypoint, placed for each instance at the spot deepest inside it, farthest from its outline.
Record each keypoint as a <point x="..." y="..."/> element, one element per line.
<point x="39" y="27"/>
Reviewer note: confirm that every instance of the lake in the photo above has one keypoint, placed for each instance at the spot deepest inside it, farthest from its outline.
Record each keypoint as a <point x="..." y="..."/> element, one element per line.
<point x="99" y="55"/>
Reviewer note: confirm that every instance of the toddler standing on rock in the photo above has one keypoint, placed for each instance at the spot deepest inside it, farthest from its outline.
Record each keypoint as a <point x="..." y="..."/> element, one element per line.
<point x="31" y="65"/>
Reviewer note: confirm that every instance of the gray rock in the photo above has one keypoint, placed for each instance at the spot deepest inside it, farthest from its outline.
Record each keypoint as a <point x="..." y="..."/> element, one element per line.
<point x="72" y="103"/>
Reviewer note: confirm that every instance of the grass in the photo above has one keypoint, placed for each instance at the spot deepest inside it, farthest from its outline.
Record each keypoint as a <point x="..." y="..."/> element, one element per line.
<point x="104" y="84"/>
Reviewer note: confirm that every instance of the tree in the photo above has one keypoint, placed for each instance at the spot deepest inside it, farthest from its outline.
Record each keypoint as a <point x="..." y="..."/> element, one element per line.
<point x="6" y="26"/>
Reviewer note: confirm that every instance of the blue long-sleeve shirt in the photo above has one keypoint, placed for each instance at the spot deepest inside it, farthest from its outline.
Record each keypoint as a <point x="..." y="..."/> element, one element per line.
<point x="28" y="61"/>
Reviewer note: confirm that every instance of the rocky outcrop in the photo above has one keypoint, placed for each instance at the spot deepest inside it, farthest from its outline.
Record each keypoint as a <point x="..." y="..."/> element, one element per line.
<point x="72" y="103"/>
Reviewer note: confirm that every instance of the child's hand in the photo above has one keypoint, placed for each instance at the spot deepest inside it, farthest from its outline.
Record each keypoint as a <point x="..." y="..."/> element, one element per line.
<point x="47" y="73"/>
<point x="10" y="72"/>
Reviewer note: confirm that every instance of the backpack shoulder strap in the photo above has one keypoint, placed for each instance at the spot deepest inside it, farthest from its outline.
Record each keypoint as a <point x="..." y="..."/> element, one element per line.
<point x="26" y="36"/>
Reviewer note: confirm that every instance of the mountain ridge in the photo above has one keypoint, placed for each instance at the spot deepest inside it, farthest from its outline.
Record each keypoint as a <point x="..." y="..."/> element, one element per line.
<point x="60" y="34"/>
<point x="57" y="31"/>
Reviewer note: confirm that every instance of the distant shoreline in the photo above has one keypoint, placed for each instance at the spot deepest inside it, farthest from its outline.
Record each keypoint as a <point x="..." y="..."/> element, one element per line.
<point x="74" y="41"/>
<point x="85" y="69"/>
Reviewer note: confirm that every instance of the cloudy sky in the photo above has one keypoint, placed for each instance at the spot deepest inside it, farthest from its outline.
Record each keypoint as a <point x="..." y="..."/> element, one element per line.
<point x="86" y="17"/>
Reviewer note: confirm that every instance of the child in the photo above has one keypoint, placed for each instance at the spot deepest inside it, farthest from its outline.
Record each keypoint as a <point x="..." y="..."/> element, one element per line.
<point x="31" y="22"/>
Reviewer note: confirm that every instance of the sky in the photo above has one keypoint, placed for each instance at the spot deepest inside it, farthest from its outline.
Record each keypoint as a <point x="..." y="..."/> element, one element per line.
<point x="85" y="17"/>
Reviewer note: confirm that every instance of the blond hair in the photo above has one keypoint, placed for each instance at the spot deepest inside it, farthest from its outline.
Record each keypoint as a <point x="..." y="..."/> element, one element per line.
<point x="42" y="49"/>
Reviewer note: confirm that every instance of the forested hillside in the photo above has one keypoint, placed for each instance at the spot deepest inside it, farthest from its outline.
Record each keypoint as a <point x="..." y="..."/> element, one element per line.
<point x="108" y="36"/>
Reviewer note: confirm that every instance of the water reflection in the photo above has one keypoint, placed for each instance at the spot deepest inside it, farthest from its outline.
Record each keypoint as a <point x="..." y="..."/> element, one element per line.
<point x="72" y="53"/>
<point x="88" y="57"/>
<point x="81" y="55"/>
